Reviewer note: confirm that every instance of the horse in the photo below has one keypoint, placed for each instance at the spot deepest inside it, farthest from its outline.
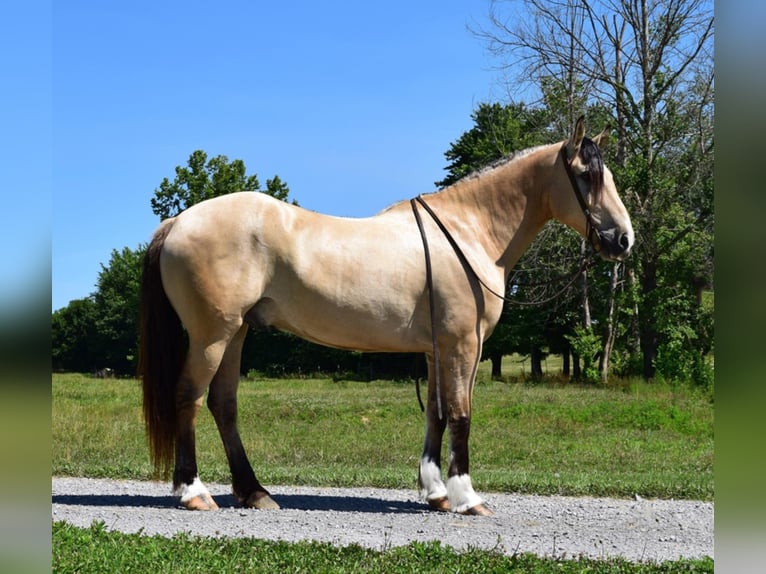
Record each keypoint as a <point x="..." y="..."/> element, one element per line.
<point x="248" y="260"/>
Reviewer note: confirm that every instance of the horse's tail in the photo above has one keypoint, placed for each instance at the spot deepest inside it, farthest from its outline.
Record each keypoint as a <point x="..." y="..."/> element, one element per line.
<point x="162" y="351"/>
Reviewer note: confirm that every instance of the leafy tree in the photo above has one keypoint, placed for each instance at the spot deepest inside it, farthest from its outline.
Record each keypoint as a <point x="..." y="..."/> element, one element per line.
<point x="277" y="188"/>
<point x="650" y="64"/>
<point x="102" y="330"/>
<point x="203" y="179"/>
<point x="498" y="131"/>
<point x="74" y="337"/>
<point x="526" y="327"/>
<point x="116" y="302"/>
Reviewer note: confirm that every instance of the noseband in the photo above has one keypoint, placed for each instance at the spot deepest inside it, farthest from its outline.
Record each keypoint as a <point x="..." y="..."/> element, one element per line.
<point x="591" y="231"/>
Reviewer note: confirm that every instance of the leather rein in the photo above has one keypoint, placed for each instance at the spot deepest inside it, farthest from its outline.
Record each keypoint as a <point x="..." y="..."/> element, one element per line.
<point x="591" y="232"/>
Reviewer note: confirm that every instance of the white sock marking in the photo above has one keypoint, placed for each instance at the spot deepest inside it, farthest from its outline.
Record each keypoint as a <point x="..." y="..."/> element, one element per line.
<point x="461" y="493"/>
<point x="189" y="491"/>
<point x="431" y="485"/>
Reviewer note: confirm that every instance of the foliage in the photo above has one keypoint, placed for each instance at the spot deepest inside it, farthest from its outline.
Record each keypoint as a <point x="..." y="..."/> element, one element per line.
<point x="74" y="336"/>
<point x="117" y="298"/>
<point x="651" y="78"/>
<point x="498" y="131"/>
<point x="102" y="329"/>
<point x="648" y="69"/>
<point x="96" y="549"/>
<point x="203" y="179"/>
<point x="586" y="344"/>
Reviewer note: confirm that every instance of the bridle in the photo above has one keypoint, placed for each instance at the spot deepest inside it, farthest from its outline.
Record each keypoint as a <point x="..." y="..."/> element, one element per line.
<point x="591" y="232"/>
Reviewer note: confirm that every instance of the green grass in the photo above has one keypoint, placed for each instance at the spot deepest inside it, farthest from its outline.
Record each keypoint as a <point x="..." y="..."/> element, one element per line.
<point x="633" y="437"/>
<point x="650" y="439"/>
<point x="97" y="550"/>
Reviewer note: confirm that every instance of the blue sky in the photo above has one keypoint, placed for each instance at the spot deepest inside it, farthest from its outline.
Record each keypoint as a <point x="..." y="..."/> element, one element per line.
<point x="352" y="104"/>
<point x="25" y="153"/>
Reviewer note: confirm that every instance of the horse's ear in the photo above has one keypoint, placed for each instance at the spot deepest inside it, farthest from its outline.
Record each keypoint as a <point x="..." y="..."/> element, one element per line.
<point x="574" y="142"/>
<point x="602" y="139"/>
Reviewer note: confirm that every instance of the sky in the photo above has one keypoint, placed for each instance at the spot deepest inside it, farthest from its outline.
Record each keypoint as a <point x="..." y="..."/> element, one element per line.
<point x="352" y="104"/>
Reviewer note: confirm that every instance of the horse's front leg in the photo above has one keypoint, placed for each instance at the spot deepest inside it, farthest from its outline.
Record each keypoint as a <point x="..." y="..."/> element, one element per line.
<point x="430" y="483"/>
<point x="462" y="497"/>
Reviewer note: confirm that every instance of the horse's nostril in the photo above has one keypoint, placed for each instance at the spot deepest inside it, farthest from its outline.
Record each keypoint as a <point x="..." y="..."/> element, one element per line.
<point x="625" y="241"/>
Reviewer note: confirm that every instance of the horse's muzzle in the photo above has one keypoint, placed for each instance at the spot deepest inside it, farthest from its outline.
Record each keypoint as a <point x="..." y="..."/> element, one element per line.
<point x="615" y="244"/>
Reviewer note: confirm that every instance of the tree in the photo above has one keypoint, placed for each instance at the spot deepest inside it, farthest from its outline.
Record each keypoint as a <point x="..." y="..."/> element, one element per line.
<point x="202" y="179"/>
<point x="544" y="309"/>
<point x="498" y="131"/>
<point x="651" y="63"/>
<point x="116" y="302"/>
<point x="102" y="329"/>
<point x="74" y="337"/>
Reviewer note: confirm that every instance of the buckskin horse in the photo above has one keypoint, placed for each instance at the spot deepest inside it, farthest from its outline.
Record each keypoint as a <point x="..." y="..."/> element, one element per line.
<point x="421" y="276"/>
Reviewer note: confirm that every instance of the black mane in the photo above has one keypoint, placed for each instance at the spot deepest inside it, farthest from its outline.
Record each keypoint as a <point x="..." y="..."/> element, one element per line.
<point x="590" y="154"/>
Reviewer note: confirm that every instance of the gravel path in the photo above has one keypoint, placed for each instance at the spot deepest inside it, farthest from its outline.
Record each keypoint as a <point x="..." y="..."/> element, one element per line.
<point x="377" y="518"/>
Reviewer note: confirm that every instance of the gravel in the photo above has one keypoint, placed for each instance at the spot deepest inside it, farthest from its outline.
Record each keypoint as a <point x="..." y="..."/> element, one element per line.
<point x="638" y="529"/>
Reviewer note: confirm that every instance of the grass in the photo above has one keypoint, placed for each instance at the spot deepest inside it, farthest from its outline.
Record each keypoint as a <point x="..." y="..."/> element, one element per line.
<point x="630" y="438"/>
<point x="97" y="550"/>
<point x="648" y="439"/>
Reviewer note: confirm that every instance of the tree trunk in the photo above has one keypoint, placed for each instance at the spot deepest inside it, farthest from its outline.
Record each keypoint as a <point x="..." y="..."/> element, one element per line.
<point x="649" y="338"/>
<point x="611" y="327"/>
<point x="576" y="373"/>
<point x="535" y="360"/>
<point x="497" y="360"/>
<point x="634" y="331"/>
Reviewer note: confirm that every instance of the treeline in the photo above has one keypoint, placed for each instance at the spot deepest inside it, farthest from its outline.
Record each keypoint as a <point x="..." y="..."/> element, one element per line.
<point x="651" y="315"/>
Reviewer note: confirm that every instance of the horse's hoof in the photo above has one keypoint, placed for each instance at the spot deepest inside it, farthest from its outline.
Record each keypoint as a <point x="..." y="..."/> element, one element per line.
<point x="441" y="504"/>
<point x="478" y="510"/>
<point x="260" y="500"/>
<point x="200" y="502"/>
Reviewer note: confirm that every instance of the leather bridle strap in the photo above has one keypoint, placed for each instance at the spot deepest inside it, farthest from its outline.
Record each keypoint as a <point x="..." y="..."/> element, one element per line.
<point x="431" y="305"/>
<point x="590" y="225"/>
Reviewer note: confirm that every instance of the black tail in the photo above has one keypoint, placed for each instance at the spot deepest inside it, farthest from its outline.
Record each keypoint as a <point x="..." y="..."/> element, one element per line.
<point x="162" y="350"/>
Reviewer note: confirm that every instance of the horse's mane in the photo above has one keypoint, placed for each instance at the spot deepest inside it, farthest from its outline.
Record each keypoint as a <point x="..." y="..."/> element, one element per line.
<point x="590" y="155"/>
<point x="500" y="162"/>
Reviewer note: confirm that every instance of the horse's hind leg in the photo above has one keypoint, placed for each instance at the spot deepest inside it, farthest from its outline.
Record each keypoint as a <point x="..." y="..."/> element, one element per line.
<point x="222" y="401"/>
<point x="201" y="364"/>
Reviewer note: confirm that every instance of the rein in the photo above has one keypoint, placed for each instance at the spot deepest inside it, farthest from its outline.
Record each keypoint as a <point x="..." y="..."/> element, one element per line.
<point x="590" y="231"/>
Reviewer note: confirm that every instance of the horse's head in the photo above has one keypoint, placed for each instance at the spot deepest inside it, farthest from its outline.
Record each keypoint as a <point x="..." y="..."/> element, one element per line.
<point x="585" y="197"/>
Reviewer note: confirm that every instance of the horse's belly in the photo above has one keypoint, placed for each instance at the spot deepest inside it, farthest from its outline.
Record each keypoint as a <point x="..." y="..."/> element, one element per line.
<point x="372" y="325"/>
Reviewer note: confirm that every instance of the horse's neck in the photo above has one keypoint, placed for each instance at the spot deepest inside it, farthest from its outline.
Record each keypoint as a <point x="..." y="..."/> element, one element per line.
<point x="502" y="210"/>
